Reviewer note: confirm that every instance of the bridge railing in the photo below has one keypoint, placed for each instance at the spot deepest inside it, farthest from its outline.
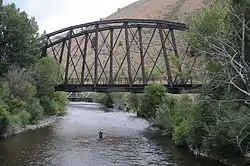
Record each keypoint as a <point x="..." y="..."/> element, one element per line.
<point x="138" y="80"/>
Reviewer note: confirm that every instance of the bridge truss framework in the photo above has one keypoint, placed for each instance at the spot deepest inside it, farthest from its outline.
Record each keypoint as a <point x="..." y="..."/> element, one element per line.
<point x="117" y="55"/>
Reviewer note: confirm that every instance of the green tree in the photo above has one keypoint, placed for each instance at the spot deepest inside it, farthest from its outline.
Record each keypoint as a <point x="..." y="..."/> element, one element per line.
<point x="18" y="38"/>
<point x="106" y="99"/>
<point x="46" y="75"/>
<point x="151" y="99"/>
<point x="221" y="115"/>
<point x="133" y="101"/>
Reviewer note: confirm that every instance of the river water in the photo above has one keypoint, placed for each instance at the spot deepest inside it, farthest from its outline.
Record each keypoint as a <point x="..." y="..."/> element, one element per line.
<point x="73" y="141"/>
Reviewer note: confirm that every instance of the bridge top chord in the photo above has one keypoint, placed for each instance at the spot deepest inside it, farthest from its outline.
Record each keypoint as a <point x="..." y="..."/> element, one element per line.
<point x="103" y="25"/>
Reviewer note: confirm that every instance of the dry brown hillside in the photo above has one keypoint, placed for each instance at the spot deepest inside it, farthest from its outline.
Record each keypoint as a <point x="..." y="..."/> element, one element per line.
<point x="158" y="9"/>
<point x="173" y="10"/>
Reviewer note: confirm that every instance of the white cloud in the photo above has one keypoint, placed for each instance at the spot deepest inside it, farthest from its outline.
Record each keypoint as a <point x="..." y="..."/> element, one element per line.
<point x="56" y="14"/>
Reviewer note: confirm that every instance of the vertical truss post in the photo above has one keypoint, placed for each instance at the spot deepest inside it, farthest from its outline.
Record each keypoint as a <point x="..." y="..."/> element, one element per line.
<point x="96" y="55"/>
<point x="62" y="51"/>
<point x="84" y="57"/>
<point x="176" y="53"/>
<point x="111" y="56"/>
<point x="170" y="80"/>
<point x="128" y="53"/>
<point x="142" y="55"/>
<point x="68" y="56"/>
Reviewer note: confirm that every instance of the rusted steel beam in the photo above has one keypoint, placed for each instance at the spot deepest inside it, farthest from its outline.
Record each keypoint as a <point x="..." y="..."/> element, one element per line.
<point x="73" y="57"/>
<point x="155" y="62"/>
<point x="91" y="67"/>
<point x="146" y="50"/>
<point x="141" y="55"/>
<point x="134" y="38"/>
<point x="106" y="29"/>
<point x="84" y="55"/>
<point x="152" y="59"/>
<point x="68" y="57"/>
<point x="170" y="80"/>
<point x="100" y="63"/>
<point x="111" y="56"/>
<point x="96" y="55"/>
<point x="62" y="52"/>
<point x="128" y="53"/>
<point x="54" y="51"/>
<point x="170" y="24"/>
<point x="158" y="56"/>
<point x="114" y="47"/>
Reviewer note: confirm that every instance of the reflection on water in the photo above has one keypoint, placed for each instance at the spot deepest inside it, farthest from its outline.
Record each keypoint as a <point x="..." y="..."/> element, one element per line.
<point x="73" y="140"/>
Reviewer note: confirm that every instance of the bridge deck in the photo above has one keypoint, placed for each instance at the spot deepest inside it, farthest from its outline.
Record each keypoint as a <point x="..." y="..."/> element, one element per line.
<point x="136" y="88"/>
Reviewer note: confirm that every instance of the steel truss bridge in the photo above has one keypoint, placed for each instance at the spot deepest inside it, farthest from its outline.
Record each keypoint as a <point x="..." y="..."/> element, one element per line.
<point x="122" y="55"/>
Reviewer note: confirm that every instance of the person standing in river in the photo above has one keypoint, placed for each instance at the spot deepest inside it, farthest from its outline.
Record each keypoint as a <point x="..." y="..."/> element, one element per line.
<point x="101" y="134"/>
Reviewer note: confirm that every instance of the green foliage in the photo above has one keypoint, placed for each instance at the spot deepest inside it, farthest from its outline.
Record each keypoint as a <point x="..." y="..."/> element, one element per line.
<point x="46" y="75"/>
<point x="28" y="90"/>
<point x="4" y="117"/>
<point x="133" y="102"/>
<point x="35" y="110"/>
<point x="212" y="21"/>
<point x="24" y="117"/>
<point x="152" y="98"/>
<point x="105" y="99"/>
<point x="60" y="99"/>
<point x="220" y="121"/>
<point x="18" y="38"/>
<point x="119" y="100"/>
<point x="175" y="116"/>
<point x="223" y="126"/>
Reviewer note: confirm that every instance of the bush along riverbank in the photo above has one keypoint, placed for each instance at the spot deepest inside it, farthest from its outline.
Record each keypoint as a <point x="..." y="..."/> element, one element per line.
<point x="119" y="101"/>
<point x="208" y="130"/>
<point x="27" y="96"/>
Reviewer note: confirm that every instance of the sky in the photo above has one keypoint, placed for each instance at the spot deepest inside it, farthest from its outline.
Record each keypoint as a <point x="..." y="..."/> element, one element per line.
<point x="53" y="15"/>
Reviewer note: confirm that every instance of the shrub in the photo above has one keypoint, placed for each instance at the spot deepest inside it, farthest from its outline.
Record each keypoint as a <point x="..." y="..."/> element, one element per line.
<point x="47" y="75"/>
<point x="175" y="116"/>
<point x="4" y="118"/>
<point x="133" y="102"/>
<point x="60" y="99"/>
<point x="24" y="117"/>
<point x="35" y="110"/>
<point x="105" y="99"/>
<point x="151" y="99"/>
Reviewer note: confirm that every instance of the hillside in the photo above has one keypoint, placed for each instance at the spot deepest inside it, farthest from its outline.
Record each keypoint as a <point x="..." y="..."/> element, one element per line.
<point x="173" y="10"/>
<point x="158" y="9"/>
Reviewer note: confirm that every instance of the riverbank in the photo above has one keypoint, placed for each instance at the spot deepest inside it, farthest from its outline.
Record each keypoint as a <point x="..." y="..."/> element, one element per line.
<point x="205" y="155"/>
<point x="46" y="121"/>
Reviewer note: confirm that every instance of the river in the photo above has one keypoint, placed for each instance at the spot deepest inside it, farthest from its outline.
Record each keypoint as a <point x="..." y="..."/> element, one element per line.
<point x="72" y="141"/>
